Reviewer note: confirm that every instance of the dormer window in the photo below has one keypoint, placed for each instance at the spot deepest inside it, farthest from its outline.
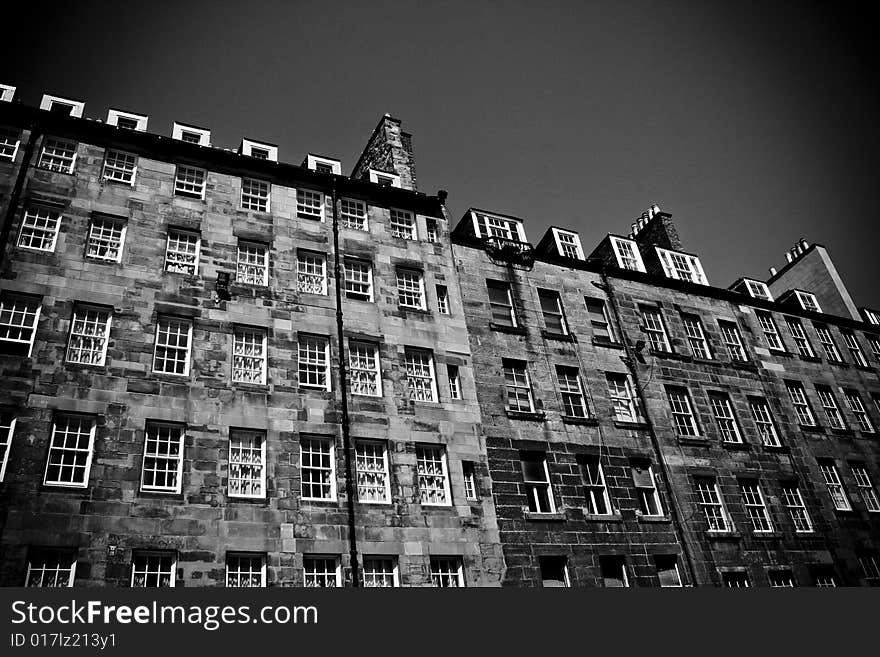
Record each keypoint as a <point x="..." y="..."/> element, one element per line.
<point x="258" y="150"/>
<point x="7" y="93"/>
<point x="682" y="266"/>
<point x="758" y="290"/>
<point x="807" y="301"/>
<point x="324" y="165"/>
<point x="871" y="316"/>
<point x="627" y="253"/>
<point x="61" y="105"/>
<point x="488" y="225"/>
<point x="127" y="120"/>
<point x="384" y="179"/>
<point x="568" y="244"/>
<point x="191" y="134"/>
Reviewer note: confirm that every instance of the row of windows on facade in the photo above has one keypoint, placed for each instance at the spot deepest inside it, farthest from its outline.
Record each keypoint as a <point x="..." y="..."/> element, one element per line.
<point x="120" y="167"/>
<point x="89" y="337"/>
<point x="504" y="314"/>
<point x="106" y="239"/>
<point x="72" y="446"/>
<point x="52" y="567"/>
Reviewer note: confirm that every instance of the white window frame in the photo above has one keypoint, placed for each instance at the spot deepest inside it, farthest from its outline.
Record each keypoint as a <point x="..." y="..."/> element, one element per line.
<point x="141" y="120"/>
<point x="831" y="407"/>
<point x="307" y="265"/>
<point x="168" y="320"/>
<point x="432" y="468"/>
<point x="517" y="381"/>
<point x="179" y="129"/>
<point x="855" y="349"/>
<point x="10" y="140"/>
<point x="9" y="312"/>
<point x="312" y="162"/>
<point x="758" y="289"/>
<point x="37" y="228"/>
<point x="442" y="299"/>
<point x="736" y="579"/>
<point x="363" y="365"/>
<point x="246" y="360"/>
<point x="248" y="145"/>
<point x="834" y="486"/>
<point x="190" y="182"/>
<point x="857" y="407"/>
<point x="502" y="287"/>
<point x="803" y="410"/>
<point x="7" y="93"/>
<point x="648" y="496"/>
<point x="175" y="258"/>
<point x="808" y="301"/>
<point x="682" y="266"/>
<point x="568" y="244"/>
<point x="606" y="325"/>
<point x="7" y="431"/>
<point x="48" y="102"/>
<point x="245" y="447"/>
<point x="554" y="298"/>
<point x="377" y="574"/>
<point x="797" y="508"/>
<point x="709" y="499"/>
<point x="571" y="389"/>
<point x="595" y="487"/>
<point x="311" y="364"/>
<point x="780" y="578"/>
<point x="310" y="204"/>
<point x="414" y="360"/>
<point x="146" y="572"/>
<point x="106" y="238"/>
<point x="733" y="341"/>
<point x="326" y="475"/>
<point x="402" y="224"/>
<point x="684" y="420"/>
<point x="755" y="506"/>
<point x="469" y="477"/>
<point x="874" y="344"/>
<point x="626" y="407"/>
<point x="53" y="562"/>
<point x="725" y="418"/>
<point x="354" y="214"/>
<point x="764" y="422"/>
<point x="252" y="266"/>
<point x="166" y="457"/>
<point x="432" y="230"/>
<point x="674" y="561"/>
<point x="119" y="167"/>
<point x="241" y="577"/>
<point x="325" y="577"/>
<point x="58" y="155"/>
<point x="696" y="336"/>
<point x="654" y="328"/>
<point x="828" y="343"/>
<point x="392" y="178"/>
<point x="866" y="487"/>
<point x="504" y="227"/>
<point x="622" y="575"/>
<point x="871" y="316"/>
<point x="65" y="450"/>
<point x="799" y="335"/>
<point x="89" y="342"/>
<point x="534" y="487"/>
<point x="627" y="253"/>
<point x="447" y="572"/>
<point x="410" y="288"/>
<point x="453" y="376"/>
<point x="770" y="331"/>
<point x="357" y="275"/>
<point x="256" y="195"/>
<point x="372" y="472"/>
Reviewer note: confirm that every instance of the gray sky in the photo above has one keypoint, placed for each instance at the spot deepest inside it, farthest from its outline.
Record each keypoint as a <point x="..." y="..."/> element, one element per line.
<point x="752" y="126"/>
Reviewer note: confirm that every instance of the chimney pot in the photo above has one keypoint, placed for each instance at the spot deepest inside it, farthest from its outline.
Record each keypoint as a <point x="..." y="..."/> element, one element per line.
<point x="442" y="194"/>
<point x="773" y="271"/>
<point x="788" y="256"/>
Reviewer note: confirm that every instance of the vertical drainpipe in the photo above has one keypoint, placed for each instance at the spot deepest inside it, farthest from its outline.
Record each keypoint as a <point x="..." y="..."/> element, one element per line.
<point x="675" y="509"/>
<point x="16" y="190"/>
<point x="343" y="385"/>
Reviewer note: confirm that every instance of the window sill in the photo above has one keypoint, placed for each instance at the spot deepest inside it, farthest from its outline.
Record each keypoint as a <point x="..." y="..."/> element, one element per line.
<point x="86" y="367"/>
<point x="670" y="355"/>
<point x="650" y="519"/>
<point x="164" y="377"/>
<point x="48" y="170"/>
<point x="697" y="441"/>
<point x="599" y="517"/>
<point x="583" y="421"/>
<point x="742" y="447"/>
<point x="250" y="387"/>
<point x="811" y="428"/>
<point x="705" y="361"/>
<point x="561" y="337"/>
<point x="744" y="365"/>
<point x="838" y="363"/>
<point x="846" y="512"/>
<point x="414" y="311"/>
<point x="811" y="359"/>
<point x="847" y="433"/>
<point x="544" y="517"/>
<point x="611" y="344"/>
<point x="779" y="352"/>
<point x="783" y="449"/>
<point x="501" y="328"/>
<point x="723" y="536"/>
<point x="865" y="368"/>
<point x="767" y="535"/>
<point x="622" y="424"/>
<point x="523" y="415"/>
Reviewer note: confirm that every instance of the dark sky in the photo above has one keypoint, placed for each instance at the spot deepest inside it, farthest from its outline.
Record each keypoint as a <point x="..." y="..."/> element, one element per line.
<point x="753" y="126"/>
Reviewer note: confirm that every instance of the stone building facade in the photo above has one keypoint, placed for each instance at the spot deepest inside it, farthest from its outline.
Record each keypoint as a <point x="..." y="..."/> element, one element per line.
<point x="220" y="369"/>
